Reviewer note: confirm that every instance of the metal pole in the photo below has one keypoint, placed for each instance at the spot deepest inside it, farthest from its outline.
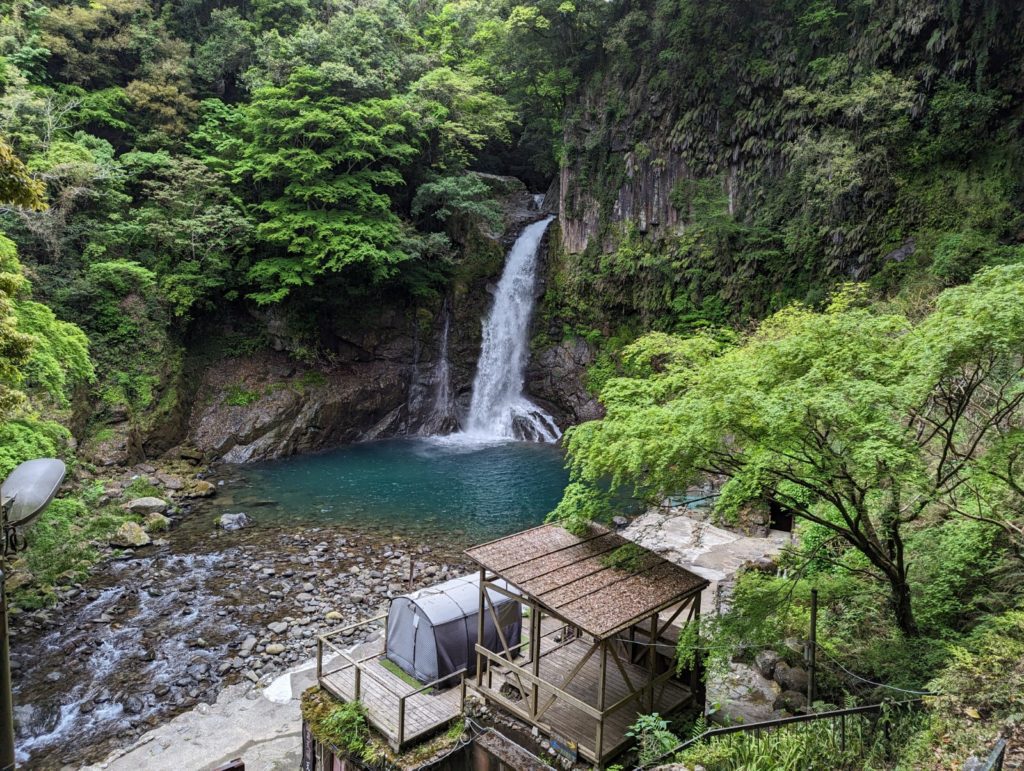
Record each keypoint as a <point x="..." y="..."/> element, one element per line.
<point x="812" y="648"/>
<point x="6" y="697"/>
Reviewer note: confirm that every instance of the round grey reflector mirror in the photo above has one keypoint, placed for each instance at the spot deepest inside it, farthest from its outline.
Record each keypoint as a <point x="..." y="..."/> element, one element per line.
<point x="30" y="488"/>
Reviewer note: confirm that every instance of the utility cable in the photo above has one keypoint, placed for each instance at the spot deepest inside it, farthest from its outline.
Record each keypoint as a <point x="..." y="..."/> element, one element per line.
<point x="872" y="682"/>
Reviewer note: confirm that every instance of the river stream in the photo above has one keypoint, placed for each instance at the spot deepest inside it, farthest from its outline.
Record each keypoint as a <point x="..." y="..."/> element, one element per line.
<point x="167" y="626"/>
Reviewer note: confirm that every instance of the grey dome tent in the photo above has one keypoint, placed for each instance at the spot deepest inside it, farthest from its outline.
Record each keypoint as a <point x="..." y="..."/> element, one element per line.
<point x="432" y="632"/>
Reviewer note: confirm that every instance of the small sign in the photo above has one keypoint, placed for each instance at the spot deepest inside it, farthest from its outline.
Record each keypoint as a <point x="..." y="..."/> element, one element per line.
<point x="567" y="749"/>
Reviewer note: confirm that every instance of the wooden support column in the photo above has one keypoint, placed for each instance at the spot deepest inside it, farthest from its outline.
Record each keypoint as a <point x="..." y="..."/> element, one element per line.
<point x="697" y="675"/>
<point x="601" y="682"/>
<point x="535" y="618"/>
<point x="652" y="655"/>
<point x="480" y="629"/>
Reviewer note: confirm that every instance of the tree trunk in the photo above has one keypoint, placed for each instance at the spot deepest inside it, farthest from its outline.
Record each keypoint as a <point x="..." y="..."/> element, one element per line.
<point x="901" y="607"/>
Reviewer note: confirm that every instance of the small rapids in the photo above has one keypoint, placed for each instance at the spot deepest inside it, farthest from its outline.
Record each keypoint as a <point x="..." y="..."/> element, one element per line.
<point x="158" y="621"/>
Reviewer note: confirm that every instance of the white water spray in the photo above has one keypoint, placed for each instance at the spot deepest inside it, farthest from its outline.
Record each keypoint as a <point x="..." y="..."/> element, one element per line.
<point x="499" y="409"/>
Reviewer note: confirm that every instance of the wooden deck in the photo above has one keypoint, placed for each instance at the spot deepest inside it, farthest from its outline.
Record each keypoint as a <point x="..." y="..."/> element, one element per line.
<point x="382" y="693"/>
<point x="566" y="722"/>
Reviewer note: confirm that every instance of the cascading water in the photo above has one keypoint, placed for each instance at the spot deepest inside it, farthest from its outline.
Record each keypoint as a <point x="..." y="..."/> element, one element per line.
<point x="499" y="409"/>
<point x="430" y="407"/>
<point x="443" y="405"/>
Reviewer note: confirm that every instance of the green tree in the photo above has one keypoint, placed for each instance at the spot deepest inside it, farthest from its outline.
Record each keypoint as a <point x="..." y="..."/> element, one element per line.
<point x="186" y="228"/>
<point x="855" y="419"/>
<point x="322" y="168"/>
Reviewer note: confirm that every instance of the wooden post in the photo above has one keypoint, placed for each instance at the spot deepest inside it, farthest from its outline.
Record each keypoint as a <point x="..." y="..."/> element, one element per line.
<point x="319" y="658"/>
<point x="401" y="722"/>
<point x="697" y="675"/>
<point x="480" y="629"/>
<point x="652" y="653"/>
<point x="358" y="676"/>
<point x="812" y="648"/>
<point x="535" y="655"/>
<point x="601" y="682"/>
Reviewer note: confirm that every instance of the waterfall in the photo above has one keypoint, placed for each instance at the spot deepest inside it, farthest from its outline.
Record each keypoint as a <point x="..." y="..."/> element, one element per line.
<point x="444" y="419"/>
<point x="430" y="407"/>
<point x="499" y="409"/>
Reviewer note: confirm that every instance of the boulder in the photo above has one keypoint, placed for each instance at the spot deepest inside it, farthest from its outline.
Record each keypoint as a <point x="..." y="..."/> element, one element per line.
<point x="170" y="481"/>
<point x="201" y="489"/>
<point x="156" y="522"/>
<point x="764" y="663"/>
<point x="234" y="521"/>
<point x="190" y="454"/>
<point x="791" y="678"/>
<point x="130" y="534"/>
<point x="147" y="505"/>
<point x="791" y="701"/>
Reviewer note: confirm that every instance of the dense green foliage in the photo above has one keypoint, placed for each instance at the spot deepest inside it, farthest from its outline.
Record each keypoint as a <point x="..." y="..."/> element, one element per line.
<point x="164" y="167"/>
<point x="856" y="419"/>
<point x="800" y="143"/>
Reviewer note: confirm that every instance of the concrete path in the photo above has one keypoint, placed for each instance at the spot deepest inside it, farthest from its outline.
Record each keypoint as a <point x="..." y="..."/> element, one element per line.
<point x="702" y="548"/>
<point x="261" y="726"/>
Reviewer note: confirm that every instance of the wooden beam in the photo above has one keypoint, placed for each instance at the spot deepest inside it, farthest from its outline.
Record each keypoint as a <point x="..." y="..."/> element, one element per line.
<point x="652" y="654"/>
<point x="673" y="617"/>
<point x="622" y="671"/>
<point x="567" y="697"/>
<point x="501" y="636"/>
<point x="480" y="628"/>
<point x="568" y="679"/>
<point x="535" y="617"/>
<point x="601" y="683"/>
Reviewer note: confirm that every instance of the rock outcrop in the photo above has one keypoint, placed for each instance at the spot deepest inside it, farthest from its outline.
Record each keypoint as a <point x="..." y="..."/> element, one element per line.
<point x="263" y="407"/>
<point x="557" y="378"/>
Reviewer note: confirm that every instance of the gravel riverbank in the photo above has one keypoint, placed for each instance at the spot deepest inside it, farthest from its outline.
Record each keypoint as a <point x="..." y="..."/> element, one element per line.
<point x="166" y="627"/>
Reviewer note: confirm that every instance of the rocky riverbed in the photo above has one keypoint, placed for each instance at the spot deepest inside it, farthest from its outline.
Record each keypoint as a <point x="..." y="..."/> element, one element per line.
<point x="168" y="625"/>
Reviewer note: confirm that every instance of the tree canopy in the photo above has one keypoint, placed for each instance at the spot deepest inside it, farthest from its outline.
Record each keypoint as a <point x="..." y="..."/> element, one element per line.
<point x="857" y="419"/>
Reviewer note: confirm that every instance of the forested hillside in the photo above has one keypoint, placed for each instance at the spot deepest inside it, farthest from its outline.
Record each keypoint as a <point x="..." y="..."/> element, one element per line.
<point x="816" y="206"/>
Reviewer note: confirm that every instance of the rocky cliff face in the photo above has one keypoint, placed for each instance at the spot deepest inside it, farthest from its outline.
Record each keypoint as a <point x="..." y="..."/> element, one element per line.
<point x="265" y="406"/>
<point x="626" y="179"/>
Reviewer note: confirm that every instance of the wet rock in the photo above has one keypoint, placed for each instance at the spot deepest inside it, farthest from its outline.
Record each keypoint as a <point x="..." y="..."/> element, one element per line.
<point x="201" y="489"/>
<point x="764" y="663"/>
<point x="791" y="701"/>
<point x="133" y="705"/>
<point x="147" y="505"/>
<point x="170" y="481"/>
<point x="130" y="535"/>
<point x="156" y="522"/>
<point x="35" y="719"/>
<point x="790" y="678"/>
<point x="235" y="521"/>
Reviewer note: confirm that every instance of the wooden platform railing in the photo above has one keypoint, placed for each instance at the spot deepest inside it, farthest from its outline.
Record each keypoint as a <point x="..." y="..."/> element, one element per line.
<point x="360" y="670"/>
<point x="527" y="676"/>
